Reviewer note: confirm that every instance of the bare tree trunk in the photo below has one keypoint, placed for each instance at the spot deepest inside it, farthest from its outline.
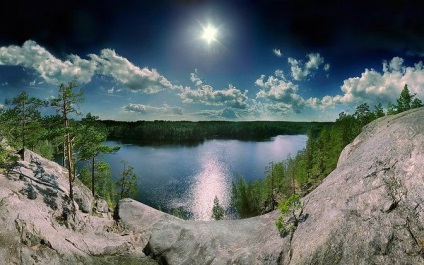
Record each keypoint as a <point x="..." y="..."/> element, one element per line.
<point x="92" y="175"/>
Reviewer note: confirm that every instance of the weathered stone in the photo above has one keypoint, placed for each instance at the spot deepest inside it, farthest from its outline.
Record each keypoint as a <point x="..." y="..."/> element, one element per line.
<point x="101" y="206"/>
<point x="43" y="230"/>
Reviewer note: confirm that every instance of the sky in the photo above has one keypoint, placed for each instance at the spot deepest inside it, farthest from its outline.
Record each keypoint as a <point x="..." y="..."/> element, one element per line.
<point x="292" y="60"/>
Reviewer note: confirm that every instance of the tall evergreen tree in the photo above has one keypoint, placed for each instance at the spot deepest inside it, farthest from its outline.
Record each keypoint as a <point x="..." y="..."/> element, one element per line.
<point x="89" y="143"/>
<point x="65" y="105"/>
<point x="378" y="111"/>
<point x="404" y="101"/>
<point x="26" y="118"/>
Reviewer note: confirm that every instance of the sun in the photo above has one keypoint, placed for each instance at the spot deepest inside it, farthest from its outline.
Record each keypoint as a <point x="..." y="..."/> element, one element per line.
<point x="209" y="34"/>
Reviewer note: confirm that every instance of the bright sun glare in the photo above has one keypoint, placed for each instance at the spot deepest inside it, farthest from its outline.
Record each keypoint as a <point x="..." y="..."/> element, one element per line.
<point x="209" y="33"/>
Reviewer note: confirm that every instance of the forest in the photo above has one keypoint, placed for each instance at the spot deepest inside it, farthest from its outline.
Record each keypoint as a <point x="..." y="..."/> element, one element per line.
<point x="289" y="180"/>
<point x="79" y="140"/>
<point x="181" y="132"/>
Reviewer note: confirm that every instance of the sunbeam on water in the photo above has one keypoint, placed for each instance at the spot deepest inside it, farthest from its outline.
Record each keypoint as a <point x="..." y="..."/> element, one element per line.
<point x="187" y="178"/>
<point x="212" y="180"/>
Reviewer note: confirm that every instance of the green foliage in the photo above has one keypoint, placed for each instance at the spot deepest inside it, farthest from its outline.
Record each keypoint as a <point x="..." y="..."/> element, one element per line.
<point x="127" y="184"/>
<point x="217" y="210"/>
<point x="22" y="120"/>
<point x="195" y="132"/>
<point x="65" y="105"/>
<point x="104" y="186"/>
<point x="45" y="148"/>
<point x="406" y="101"/>
<point x="378" y="111"/>
<point x="179" y="212"/>
<point x="288" y="220"/>
<point x="89" y="143"/>
<point x="247" y="198"/>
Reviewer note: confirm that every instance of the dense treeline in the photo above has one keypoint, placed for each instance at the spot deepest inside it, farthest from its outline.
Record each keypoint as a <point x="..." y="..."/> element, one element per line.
<point x="194" y="132"/>
<point x="300" y="174"/>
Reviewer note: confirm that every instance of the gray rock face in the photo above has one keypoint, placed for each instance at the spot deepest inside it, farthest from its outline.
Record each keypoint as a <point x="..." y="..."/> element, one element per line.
<point x="37" y="226"/>
<point x="174" y="241"/>
<point x="370" y="210"/>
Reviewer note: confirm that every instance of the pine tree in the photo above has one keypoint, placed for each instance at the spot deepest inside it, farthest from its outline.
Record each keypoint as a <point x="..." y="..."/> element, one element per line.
<point x="127" y="184"/>
<point x="217" y="210"/>
<point x="65" y="105"/>
<point x="89" y="142"/>
<point x="26" y="118"/>
<point x="378" y="111"/>
<point x="405" y="100"/>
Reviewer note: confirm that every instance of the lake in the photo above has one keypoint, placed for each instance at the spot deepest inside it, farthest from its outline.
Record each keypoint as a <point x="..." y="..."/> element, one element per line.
<point x="174" y="176"/>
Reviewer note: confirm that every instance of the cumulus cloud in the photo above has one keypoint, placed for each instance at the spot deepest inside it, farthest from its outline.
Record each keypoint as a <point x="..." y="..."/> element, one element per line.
<point x="133" y="77"/>
<point x="373" y="86"/>
<point x="231" y="97"/>
<point x="52" y="70"/>
<point x="300" y="70"/>
<point x="147" y="109"/>
<point x="108" y="63"/>
<point x="194" y="77"/>
<point x="277" y="52"/>
<point x="280" y="91"/>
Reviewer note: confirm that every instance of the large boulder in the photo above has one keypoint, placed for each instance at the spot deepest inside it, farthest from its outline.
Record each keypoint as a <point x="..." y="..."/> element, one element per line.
<point x="171" y="240"/>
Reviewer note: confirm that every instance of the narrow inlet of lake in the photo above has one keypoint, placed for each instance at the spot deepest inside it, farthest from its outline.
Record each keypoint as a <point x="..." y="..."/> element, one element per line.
<point x="189" y="177"/>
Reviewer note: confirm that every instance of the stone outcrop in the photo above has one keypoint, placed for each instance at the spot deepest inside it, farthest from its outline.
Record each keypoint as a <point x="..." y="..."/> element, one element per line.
<point x="37" y="226"/>
<point x="370" y="210"/>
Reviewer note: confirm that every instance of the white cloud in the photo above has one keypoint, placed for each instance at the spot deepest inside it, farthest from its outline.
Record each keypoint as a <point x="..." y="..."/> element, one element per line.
<point x="283" y="93"/>
<point x="300" y="71"/>
<point x="277" y="52"/>
<point x="52" y="70"/>
<point x="375" y="87"/>
<point x="231" y="97"/>
<point x="133" y="77"/>
<point x="327" y="67"/>
<point x="194" y="77"/>
<point x="108" y="63"/>
<point x="147" y="109"/>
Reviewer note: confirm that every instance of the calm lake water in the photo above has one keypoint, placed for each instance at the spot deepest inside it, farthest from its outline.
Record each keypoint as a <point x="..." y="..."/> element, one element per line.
<point x="172" y="176"/>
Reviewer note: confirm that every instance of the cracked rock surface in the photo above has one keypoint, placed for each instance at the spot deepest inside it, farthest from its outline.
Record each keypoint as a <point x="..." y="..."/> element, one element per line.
<point x="36" y="227"/>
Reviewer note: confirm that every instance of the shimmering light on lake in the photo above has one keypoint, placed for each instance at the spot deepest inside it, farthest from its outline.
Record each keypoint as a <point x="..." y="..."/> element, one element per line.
<point x="212" y="180"/>
<point x="189" y="177"/>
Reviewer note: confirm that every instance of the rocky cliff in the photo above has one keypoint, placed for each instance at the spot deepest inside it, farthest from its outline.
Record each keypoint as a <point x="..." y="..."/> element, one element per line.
<point x="370" y="210"/>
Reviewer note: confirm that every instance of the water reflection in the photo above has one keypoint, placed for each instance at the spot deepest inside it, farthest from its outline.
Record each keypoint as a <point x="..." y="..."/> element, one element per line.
<point x="189" y="177"/>
<point x="212" y="180"/>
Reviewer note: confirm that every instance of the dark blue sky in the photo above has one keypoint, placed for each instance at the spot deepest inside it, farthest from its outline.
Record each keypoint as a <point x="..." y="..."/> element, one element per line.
<point x="270" y="60"/>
